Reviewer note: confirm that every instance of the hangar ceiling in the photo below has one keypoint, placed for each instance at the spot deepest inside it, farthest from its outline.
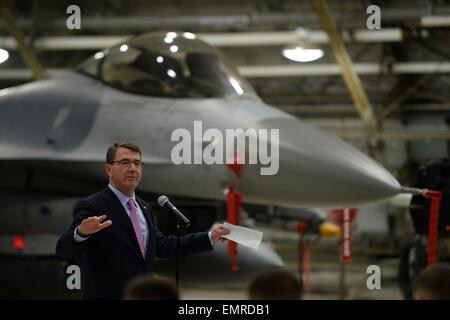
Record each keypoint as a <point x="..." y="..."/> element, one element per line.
<point x="404" y="67"/>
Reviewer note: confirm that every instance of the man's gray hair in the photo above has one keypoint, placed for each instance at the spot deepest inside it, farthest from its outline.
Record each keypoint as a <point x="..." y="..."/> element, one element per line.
<point x="112" y="150"/>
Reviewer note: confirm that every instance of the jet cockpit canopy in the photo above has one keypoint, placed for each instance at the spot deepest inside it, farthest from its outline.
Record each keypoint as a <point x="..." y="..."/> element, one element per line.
<point x="172" y="64"/>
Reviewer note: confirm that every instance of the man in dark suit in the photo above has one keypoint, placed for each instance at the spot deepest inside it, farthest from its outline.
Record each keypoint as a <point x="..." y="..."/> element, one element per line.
<point x="114" y="234"/>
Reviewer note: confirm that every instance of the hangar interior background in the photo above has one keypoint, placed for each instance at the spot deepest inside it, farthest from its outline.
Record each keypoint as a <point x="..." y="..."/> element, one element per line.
<point x="404" y="67"/>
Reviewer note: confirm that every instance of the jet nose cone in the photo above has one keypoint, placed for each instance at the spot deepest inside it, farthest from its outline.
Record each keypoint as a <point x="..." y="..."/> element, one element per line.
<point x="319" y="170"/>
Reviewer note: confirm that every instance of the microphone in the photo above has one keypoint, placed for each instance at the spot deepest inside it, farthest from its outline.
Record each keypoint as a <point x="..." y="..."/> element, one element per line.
<point x="163" y="201"/>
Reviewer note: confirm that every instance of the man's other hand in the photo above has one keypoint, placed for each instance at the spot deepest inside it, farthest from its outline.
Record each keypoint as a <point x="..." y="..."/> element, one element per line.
<point x="92" y="225"/>
<point x="218" y="232"/>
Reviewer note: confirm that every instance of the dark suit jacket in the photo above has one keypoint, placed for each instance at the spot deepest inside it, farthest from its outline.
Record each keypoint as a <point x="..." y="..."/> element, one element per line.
<point x="111" y="257"/>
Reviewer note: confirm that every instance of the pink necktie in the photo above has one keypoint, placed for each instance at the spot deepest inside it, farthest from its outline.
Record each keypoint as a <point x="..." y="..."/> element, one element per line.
<point x="136" y="225"/>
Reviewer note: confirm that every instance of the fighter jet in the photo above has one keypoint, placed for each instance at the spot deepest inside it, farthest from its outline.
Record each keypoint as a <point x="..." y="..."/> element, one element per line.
<point x="143" y="90"/>
<point x="182" y="101"/>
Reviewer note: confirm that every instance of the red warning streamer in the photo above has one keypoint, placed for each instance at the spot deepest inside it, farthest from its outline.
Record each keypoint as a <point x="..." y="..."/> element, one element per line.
<point x="433" y="232"/>
<point x="304" y="257"/>
<point x="346" y="236"/>
<point x="234" y="200"/>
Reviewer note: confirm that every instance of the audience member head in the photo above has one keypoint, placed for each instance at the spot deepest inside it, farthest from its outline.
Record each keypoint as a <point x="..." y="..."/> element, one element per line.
<point x="433" y="283"/>
<point x="275" y="285"/>
<point x="148" y="287"/>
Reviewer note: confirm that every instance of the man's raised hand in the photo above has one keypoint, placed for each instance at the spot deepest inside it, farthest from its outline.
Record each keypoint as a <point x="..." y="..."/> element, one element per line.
<point x="92" y="225"/>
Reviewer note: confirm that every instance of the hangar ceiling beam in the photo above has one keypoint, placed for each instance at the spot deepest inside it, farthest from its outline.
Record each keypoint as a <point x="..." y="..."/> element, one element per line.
<point x="275" y="71"/>
<point x="239" y="39"/>
<point x="26" y="52"/>
<point x="349" y="73"/>
<point x="333" y="69"/>
<point x="148" y="20"/>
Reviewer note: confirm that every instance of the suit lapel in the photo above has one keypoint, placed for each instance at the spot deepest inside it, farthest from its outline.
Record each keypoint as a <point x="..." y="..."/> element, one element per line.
<point x="121" y="215"/>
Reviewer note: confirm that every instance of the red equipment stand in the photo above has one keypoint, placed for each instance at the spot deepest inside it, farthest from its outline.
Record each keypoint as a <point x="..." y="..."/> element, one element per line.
<point x="433" y="223"/>
<point x="304" y="257"/>
<point x="234" y="200"/>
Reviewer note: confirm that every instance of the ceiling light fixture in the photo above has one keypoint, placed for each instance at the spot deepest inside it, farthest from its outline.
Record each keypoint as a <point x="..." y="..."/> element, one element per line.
<point x="4" y="55"/>
<point x="302" y="50"/>
<point x="302" y="53"/>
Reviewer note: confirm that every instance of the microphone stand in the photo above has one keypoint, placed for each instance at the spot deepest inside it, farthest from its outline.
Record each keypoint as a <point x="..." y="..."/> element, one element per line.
<point x="180" y="226"/>
<point x="182" y="222"/>
<point x="177" y="268"/>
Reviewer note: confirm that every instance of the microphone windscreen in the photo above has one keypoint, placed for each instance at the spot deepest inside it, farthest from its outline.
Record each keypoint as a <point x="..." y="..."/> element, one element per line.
<point x="162" y="200"/>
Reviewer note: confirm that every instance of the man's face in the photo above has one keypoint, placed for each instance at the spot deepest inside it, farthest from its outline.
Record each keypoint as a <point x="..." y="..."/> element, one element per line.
<point x="126" y="170"/>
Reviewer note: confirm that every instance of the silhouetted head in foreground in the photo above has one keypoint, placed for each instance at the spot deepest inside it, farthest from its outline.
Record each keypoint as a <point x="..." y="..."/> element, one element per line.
<point x="433" y="283"/>
<point x="149" y="287"/>
<point x="275" y="285"/>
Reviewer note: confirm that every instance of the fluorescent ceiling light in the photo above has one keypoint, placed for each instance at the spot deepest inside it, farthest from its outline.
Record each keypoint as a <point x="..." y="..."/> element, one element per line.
<point x="302" y="53"/>
<point x="189" y="35"/>
<point x="4" y="55"/>
<point x="435" y="21"/>
<point x="99" y="55"/>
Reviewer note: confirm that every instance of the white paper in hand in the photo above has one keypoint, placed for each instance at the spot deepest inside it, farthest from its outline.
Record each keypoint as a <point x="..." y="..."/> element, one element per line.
<point x="245" y="236"/>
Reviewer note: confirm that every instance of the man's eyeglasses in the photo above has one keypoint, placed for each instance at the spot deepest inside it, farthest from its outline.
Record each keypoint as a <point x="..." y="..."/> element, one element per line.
<point x="127" y="162"/>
